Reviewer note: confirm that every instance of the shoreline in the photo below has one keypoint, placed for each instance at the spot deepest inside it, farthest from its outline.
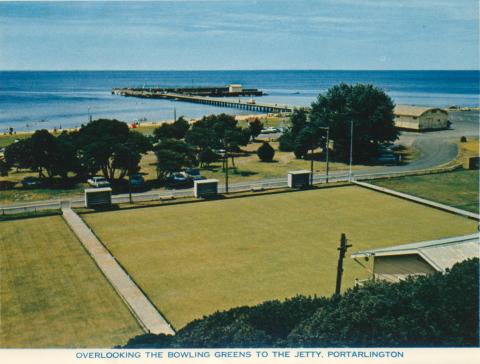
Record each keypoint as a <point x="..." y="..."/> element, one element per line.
<point x="133" y="126"/>
<point x="157" y="123"/>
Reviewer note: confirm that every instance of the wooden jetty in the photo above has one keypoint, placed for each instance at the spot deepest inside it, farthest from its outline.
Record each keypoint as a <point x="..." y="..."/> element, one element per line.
<point x="251" y="105"/>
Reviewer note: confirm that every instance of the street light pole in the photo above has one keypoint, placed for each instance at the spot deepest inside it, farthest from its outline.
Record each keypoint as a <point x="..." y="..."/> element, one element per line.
<point x="327" y="128"/>
<point x="226" y="166"/>
<point x="311" y="168"/>
<point x="130" y="177"/>
<point x="351" y="151"/>
<point x="327" y="146"/>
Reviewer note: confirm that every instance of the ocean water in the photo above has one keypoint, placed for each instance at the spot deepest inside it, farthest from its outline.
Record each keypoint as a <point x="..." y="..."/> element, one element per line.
<point x="39" y="99"/>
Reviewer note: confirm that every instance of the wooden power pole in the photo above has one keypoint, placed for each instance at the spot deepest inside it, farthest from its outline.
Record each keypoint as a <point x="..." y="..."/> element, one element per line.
<point x="342" y="250"/>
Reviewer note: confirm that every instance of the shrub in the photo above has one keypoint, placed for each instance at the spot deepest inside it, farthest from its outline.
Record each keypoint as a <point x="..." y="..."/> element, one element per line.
<point x="436" y="310"/>
<point x="265" y="152"/>
<point x="463" y="139"/>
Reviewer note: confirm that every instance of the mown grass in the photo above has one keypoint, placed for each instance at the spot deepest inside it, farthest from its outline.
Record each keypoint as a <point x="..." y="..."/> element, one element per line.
<point x="457" y="189"/>
<point x="194" y="259"/>
<point x="52" y="294"/>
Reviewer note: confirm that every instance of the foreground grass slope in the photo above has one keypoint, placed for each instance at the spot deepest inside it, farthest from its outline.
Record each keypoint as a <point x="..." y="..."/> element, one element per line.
<point x="52" y="294"/>
<point x="457" y="189"/>
<point x="193" y="259"/>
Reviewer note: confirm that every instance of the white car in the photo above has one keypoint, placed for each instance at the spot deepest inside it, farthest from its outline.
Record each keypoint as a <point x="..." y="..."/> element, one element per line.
<point x="98" y="181"/>
<point x="269" y="130"/>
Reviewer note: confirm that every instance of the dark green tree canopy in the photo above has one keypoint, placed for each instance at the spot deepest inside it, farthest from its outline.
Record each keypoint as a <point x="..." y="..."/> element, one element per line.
<point x="175" y="130"/>
<point x="172" y="156"/>
<point x="19" y="154"/>
<point x="43" y="153"/>
<point x="255" y="127"/>
<point x="218" y="132"/>
<point x="370" y="110"/>
<point x="109" y="146"/>
<point x="207" y="156"/>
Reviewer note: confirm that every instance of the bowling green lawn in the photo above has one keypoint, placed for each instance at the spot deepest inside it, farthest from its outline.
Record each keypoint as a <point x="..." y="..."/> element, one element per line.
<point x="52" y="293"/>
<point x="196" y="258"/>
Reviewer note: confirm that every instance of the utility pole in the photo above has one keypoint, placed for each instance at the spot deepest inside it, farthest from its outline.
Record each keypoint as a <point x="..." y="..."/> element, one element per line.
<point x="226" y="165"/>
<point x="351" y="151"/>
<point x="342" y="250"/>
<point x="327" y="128"/>
<point x="174" y="114"/>
<point x="129" y="177"/>
<point x="311" y="168"/>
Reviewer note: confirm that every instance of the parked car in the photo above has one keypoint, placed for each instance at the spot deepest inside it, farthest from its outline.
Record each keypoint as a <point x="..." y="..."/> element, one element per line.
<point x="136" y="180"/>
<point x="270" y="130"/>
<point x="179" y="179"/>
<point x="98" y="181"/>
<point x="30" y="182"/>
<point x="387" y="158"/>
<point x="194" y="174"/>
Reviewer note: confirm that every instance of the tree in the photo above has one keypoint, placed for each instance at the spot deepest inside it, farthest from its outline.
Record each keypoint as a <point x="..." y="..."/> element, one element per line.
<point x="255" y="127"/>
<point x="67" y="160"/>
<point x="218" y="132"/>
<point x="45" y="153"/>
<point x="371" y="112"/>
<point x="129" y="154"/>
<point x="207" y="156"/>
<point x="265" y="152"/>
<point x="309" y="138"/>
<point x="42" y="153"/>
<point x="4" y="168"/>
<point x="175" y="130"/>
<point x="288" y="140"/>
<point x="298" y="120"/>
<point x="109" y="146"/>
<point x="19" y="154"/>
<point x="172" y="156"/>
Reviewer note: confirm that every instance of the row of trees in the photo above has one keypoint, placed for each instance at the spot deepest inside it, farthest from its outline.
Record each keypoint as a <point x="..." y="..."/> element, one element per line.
<point x="368" y="109"/>
<point x="178" y="145"/>
<point x="111" y="148"/>
<point x="430" y="311"/>
<point x="108" y="146"/>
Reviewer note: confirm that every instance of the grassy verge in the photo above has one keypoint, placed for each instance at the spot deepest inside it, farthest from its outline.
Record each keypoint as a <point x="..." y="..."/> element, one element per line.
<point x="457" y="189"/>
<point x="194" y="259"/>
<point x="53" y="295"/>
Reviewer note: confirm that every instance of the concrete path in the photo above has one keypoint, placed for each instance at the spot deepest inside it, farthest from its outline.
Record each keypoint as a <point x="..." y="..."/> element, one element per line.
<point x="143" y="310"/>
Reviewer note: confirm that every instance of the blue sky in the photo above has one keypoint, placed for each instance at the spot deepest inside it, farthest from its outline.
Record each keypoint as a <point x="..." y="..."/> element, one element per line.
<point x="240" y="34"/>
